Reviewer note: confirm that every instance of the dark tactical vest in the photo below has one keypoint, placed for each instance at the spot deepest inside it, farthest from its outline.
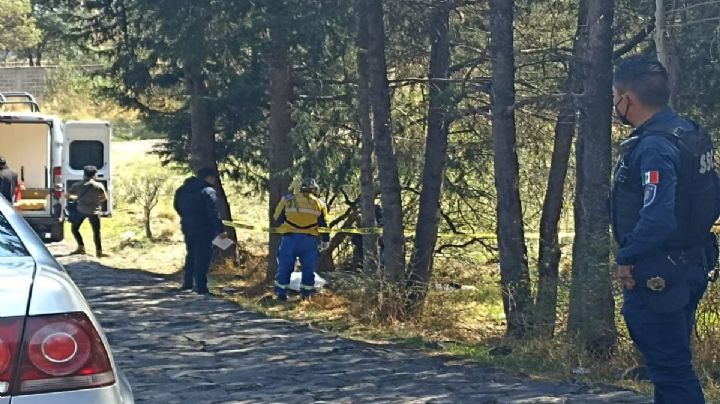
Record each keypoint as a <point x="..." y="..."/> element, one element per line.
<point x="696" y="193"/>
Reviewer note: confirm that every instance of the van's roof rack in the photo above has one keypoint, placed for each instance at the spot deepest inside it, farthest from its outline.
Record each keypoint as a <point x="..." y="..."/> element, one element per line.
<point x="24" y="99"/>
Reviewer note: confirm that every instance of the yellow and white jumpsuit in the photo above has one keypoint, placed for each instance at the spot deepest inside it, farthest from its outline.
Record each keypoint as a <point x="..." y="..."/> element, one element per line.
<point x="299" y="218"/>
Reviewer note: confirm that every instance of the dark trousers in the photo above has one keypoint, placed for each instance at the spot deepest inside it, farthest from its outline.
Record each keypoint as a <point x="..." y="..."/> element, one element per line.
<point x="95" y="224"/>
<point x="664" y="341"/>
<point x="359" y="252"/>
<point x="197" y="260"/>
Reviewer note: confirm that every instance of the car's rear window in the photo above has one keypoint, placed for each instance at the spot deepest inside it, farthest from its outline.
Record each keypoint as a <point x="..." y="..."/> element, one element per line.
<point x="10" y="244"/>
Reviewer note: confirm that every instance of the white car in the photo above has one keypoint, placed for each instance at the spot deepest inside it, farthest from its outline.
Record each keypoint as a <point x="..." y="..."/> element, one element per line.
<point x="52" y="349"/>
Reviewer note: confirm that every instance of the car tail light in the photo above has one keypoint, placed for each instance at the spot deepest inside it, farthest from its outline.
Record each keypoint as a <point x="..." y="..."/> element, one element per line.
<point x="62" y="352"/>
<point x="57" y="173"/>
<point x="10" y="329"/>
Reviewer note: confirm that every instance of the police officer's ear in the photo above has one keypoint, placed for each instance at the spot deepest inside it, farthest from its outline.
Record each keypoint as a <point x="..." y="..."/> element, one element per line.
<point x="631" y="98"/>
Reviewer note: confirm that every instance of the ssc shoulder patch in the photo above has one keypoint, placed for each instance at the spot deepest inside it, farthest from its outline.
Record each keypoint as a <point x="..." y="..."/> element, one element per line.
<point x="649" y="194"/>
<point x="651" y="177"/>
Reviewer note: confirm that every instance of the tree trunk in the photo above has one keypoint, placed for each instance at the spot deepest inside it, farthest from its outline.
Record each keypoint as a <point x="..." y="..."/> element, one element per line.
<point x="367" y="186"/>
<point x="202" y="138"/>
<point x="393" y="235"/>
<point x="666" y="48"/>
<point x="660" y="33"/>
<point x="325" y="262"/>
<point x="592" y="307"/>
<point x="549" y="257"/>
<point x="435" y="156"/>
<point x="663" y="46"/>
<point x="202" y="141"/>
<point x="148" y="230"/>
<point x="280" y="154"/>
<point x="514" y="274"/>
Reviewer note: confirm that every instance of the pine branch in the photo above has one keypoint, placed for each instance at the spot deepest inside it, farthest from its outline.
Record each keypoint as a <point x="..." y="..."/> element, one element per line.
<point x="634" y="41"/>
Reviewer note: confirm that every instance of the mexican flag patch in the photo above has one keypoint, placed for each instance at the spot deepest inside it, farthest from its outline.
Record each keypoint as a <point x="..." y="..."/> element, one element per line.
<point x="651" y="177"/>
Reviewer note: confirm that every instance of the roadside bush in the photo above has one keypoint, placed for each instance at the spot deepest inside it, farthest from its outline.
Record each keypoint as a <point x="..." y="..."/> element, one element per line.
<point x="144" y="190"/>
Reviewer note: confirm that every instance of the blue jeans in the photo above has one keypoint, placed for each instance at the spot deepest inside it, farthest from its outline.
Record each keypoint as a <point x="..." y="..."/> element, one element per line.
<point x="292" y="246"/>
<point x="197" y="260"/>
<point x="664" y="341"/>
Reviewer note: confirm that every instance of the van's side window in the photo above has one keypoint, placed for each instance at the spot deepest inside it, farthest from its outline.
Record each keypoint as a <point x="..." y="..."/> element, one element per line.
<point x="87" y="153"/>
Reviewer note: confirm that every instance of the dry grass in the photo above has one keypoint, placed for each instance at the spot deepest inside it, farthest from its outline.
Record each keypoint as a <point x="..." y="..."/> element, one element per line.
<point x="365" y="307"/>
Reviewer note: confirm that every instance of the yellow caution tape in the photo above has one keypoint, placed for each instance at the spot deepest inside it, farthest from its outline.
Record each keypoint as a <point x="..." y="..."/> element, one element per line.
<point x="325" y="230"/>
<point x="238" y="225"/>
<point x="379" y="231"/>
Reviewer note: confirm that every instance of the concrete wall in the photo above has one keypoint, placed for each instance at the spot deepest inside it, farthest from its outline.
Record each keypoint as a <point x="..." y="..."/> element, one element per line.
<point x="28" y="79"/>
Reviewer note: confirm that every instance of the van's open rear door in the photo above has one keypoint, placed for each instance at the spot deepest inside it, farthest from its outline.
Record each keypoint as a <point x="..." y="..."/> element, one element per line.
<point x="88" y="143"/>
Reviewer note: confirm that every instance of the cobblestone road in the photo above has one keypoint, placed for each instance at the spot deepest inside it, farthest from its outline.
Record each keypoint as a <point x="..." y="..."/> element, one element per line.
<point x="184" y="348"/>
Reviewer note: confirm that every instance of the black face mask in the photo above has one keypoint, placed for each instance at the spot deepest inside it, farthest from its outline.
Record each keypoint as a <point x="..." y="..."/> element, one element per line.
<point x="622" y="117"/>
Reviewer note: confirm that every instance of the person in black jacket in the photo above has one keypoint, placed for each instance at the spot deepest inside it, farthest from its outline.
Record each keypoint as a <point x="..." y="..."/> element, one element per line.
<point x="8" y="180"/>
<point x="196" y="203"/>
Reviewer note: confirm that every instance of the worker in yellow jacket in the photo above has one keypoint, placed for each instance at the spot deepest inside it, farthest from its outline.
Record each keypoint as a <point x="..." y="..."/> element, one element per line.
<point x="299" y="218"/>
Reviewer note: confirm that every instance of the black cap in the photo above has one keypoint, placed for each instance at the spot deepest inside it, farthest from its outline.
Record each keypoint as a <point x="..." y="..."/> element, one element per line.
<point x="207" y="172"/>
<point x="89" y="171"/>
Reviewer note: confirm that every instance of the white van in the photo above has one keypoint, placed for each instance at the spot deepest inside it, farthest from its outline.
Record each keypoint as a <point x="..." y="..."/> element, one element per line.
<point x="49" y="155"/>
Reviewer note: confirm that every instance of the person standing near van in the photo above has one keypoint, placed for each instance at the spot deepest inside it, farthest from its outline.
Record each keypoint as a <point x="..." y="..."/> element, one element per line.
<point x="8" y="180"/>
<point x="90" y="195"/>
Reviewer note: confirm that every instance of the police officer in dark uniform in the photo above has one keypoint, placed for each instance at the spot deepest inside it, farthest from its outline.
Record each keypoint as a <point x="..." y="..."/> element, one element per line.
<point x="195" y="202"/>
<point x="664" y="202"/>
